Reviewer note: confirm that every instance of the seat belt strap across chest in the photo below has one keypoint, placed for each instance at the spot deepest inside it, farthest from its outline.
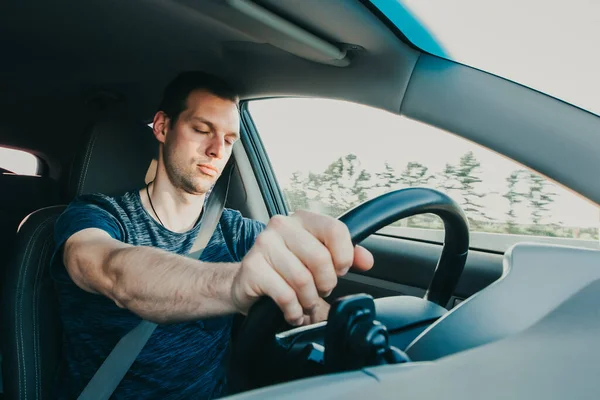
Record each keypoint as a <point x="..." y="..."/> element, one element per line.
<point x="117" y="363"/>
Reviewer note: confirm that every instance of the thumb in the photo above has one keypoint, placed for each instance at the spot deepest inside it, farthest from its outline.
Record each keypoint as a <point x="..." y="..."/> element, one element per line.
<point x="363" y="259"/>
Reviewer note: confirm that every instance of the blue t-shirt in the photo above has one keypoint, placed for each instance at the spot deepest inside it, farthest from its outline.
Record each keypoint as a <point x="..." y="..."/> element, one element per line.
<point x="180" y="361"/>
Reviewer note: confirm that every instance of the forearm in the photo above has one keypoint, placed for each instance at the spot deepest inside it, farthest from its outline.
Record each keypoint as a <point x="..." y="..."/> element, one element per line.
<point x="165" y="287"/>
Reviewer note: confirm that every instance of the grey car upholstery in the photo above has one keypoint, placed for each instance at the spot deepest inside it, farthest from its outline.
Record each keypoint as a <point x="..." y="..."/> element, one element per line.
<point x="115" y="157"/>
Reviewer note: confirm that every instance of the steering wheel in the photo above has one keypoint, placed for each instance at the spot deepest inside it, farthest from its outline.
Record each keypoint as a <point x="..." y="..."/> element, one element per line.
<point x="262" y="359"/>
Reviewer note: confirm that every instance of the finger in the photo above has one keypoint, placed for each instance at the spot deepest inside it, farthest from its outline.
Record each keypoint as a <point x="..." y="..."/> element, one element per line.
<point x="311" y="253"/>
<point x="307" y="320"/>
<point x="273" y="285"/>
<point x="363" y="259"/>
<point x="332" y="233"/>
<point x="320" y="313"/>
<point x="294" y="272"/>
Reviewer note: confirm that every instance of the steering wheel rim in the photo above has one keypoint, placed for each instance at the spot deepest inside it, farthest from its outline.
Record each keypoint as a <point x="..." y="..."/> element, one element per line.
<point x="264" y="318"/>
<point x="385" y="209"/>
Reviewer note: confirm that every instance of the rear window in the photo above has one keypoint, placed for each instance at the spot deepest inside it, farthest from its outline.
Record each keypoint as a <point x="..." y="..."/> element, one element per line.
<point x="18" y="162"/>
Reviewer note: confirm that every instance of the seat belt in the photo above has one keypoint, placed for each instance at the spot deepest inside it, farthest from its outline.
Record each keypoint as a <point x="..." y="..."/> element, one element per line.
<point x="115" y="366"/>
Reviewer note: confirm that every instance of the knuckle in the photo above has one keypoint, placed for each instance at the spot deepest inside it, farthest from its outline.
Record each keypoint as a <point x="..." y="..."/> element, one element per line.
<point x="345" y="260"/>
<point x="321" y="259"/>
<point x="293" y="316"/>
<point x="301" y="214"/>
<point x="302" y="279"/>
<point x="340" y="229"/>
<point x="251" y="262"/>
<point x="278" y="221"/>
<point x="327" y="285"/>
<point x="310" y="305"/>
<point x="334" y="229"/>
<point x="263" y="239"/>
<point x="285" y="298"/>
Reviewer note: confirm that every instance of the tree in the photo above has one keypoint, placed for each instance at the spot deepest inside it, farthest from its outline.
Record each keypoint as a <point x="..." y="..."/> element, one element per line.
<point x="415" y="174"/>
<point x="387" y="178"/>
<point x="447" y="179"/>
<point x="295" y="194"/>
<point x="329" y="187"/>
<point x="514" y="197"/>
<point x="313" y="186"/>
<point x="466" y="175"/>
<point x="344" y="184"/>
<point x="540" y="197"/>
<point x="361" y="186"/>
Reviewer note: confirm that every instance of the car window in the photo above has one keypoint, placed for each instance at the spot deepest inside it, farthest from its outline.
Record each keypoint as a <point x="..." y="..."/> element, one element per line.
<point x="18" y="162"/>
<point x="329" y="155"/>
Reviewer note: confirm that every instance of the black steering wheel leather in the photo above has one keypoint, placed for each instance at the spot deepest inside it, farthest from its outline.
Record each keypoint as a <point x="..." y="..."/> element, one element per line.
<point x="253" y="351"/>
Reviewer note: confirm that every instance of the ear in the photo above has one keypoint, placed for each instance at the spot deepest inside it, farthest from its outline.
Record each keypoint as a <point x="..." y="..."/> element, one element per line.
<point x="160" y="126"/>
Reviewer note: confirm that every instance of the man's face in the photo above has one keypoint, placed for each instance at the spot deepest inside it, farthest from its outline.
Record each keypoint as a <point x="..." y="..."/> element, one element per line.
<point x="197" y="146"/>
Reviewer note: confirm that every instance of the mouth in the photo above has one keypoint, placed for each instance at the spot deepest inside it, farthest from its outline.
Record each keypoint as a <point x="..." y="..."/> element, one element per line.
<point x="208" y="169"/>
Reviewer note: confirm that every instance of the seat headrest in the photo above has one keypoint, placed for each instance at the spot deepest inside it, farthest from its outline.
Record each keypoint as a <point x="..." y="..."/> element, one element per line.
<point x="114" y="159"/>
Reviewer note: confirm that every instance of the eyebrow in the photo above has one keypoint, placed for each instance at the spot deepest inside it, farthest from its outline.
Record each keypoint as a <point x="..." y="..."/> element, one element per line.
<point x="212" y="126"/>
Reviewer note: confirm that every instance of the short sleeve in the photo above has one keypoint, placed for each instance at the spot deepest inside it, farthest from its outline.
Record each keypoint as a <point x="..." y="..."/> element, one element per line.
<point x="239" y="232"/>
<point x="249" y="230"/>
<point x="84" y="212"/>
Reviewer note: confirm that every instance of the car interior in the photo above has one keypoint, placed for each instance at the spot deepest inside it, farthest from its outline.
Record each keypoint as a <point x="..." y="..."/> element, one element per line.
<point x="81" y="82"/>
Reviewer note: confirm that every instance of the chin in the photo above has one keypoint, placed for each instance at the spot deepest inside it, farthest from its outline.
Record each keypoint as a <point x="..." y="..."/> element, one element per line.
<point x="202" y="185"/>
<point x="191" y="181"/>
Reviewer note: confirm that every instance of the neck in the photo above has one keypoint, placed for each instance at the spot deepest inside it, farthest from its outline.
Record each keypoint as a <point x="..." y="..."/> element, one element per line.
<point x="178" y="210"/>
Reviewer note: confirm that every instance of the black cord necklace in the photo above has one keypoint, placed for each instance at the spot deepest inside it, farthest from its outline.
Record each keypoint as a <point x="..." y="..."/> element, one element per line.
<point x="152" y="205"/>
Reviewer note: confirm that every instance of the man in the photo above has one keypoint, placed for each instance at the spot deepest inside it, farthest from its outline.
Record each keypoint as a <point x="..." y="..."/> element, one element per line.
<point x="123" y="258"/>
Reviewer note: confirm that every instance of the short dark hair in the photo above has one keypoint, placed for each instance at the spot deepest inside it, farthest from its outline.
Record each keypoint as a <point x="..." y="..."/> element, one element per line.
<point x="174" y="100"/>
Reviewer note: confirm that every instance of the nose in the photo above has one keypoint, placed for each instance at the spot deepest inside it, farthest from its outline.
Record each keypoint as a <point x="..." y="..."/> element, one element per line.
<point x="216" y="147"/>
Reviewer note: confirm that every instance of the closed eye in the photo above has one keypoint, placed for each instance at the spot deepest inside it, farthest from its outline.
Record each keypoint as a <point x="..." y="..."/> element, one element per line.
<point x="231" y="139"/>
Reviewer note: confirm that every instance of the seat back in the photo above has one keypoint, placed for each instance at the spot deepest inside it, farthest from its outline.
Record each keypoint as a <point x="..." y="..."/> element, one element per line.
<point x="115" y="158"/>
<point x="21" y="195"/>
<point x="31" y="332"/>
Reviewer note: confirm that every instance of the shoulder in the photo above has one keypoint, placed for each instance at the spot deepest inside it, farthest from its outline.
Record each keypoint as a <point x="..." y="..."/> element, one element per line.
<point x="114" y="205"/>
<point x="239" y="232"/>
<point x="92" y="211"/>
<point x="95" y="200"/>
<point x="232" y="222"/>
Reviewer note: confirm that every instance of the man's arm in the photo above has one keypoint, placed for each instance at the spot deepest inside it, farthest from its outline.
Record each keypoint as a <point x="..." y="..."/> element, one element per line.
<point x="156" y="285"/>
<point x="295" y="261"/>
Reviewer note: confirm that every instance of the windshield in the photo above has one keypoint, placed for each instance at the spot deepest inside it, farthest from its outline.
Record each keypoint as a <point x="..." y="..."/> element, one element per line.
<point x="548" y="45"/>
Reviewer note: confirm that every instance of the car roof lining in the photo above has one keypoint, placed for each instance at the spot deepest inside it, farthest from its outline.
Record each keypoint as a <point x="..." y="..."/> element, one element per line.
<point x="132" y="49"/>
